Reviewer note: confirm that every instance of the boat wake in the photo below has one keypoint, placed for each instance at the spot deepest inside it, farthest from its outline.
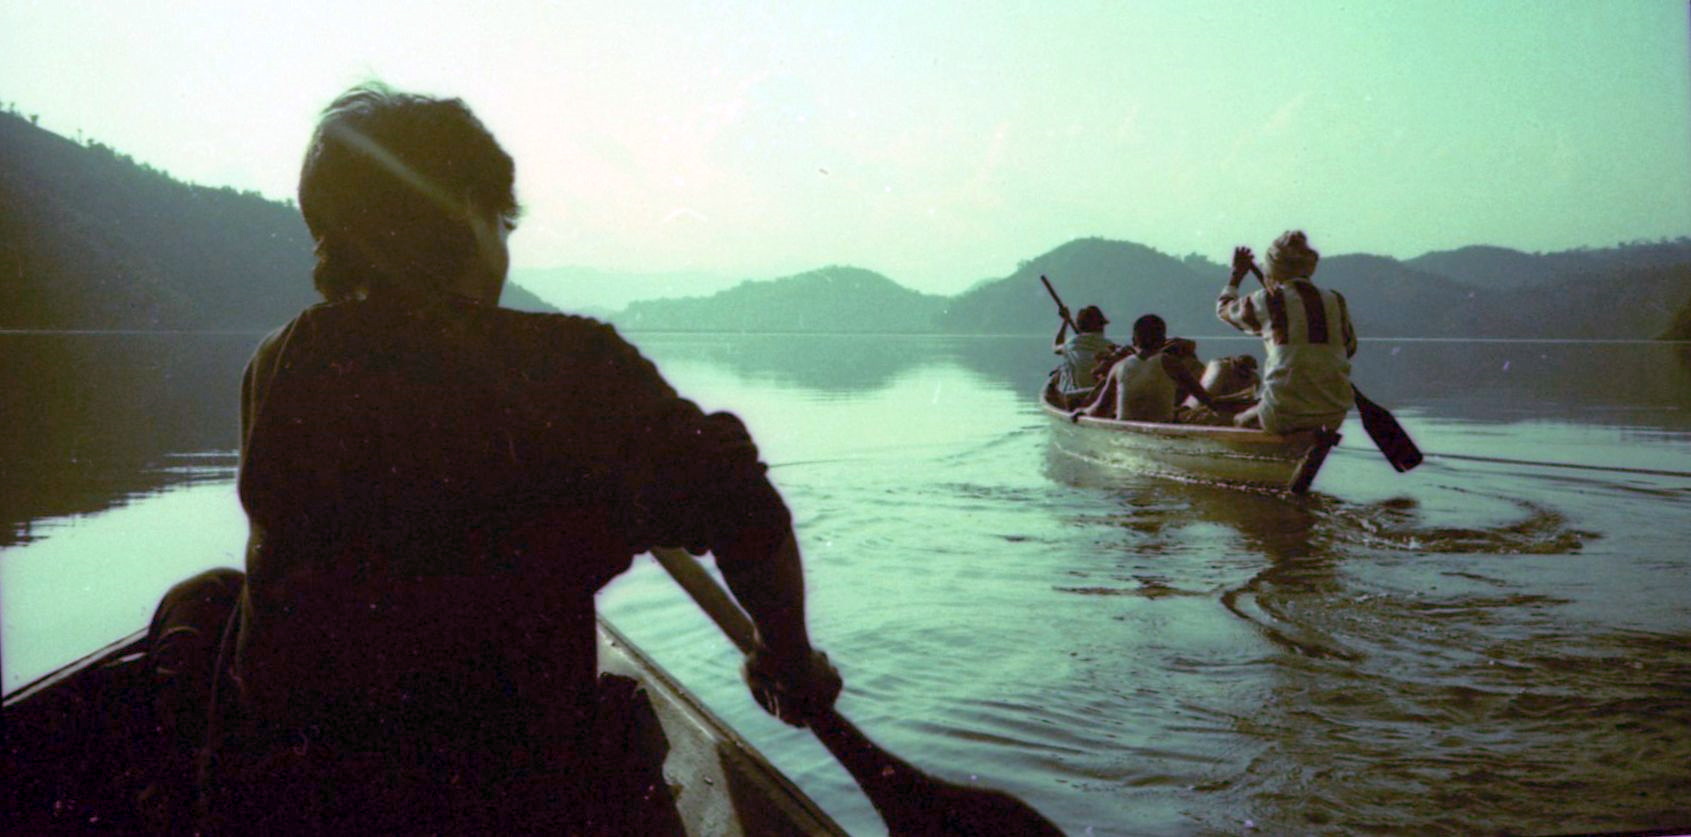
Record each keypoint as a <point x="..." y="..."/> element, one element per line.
<point x="1397" y="525"/>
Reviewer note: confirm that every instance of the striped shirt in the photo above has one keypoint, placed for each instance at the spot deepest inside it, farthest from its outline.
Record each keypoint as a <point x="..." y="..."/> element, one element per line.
<point x="1309" y="341"/>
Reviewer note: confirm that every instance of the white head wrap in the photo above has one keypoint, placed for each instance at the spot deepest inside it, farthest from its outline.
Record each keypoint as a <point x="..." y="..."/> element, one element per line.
<point x="1290" y="255"/>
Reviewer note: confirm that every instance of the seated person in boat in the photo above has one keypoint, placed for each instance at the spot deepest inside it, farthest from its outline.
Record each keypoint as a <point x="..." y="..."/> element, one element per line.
<point x="436" y="487"/>
<point x="1234" y="376"/>
<point x="1306" y="331"/>
<point x="1078" y="373"/>
<point x="1232" y="384"/>
<point x="1156" y="375"/>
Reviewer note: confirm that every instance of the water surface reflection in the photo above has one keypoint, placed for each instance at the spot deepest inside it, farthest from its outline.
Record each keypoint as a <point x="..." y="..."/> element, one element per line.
<point x="1470" y="647"/>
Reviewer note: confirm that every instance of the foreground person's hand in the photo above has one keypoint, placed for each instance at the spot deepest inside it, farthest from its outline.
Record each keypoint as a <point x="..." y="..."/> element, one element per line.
<point x="793" y="688"/>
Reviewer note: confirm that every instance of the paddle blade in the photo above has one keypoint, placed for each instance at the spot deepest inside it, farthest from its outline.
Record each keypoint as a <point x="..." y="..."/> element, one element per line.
<point x="969" y="812"/>
<point x="911" y="802"/>
<point x="1388" y="435"/>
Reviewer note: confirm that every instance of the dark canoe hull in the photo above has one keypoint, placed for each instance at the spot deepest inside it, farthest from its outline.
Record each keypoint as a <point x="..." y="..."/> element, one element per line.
<point x="1228" y="455"/>
<point x="76" y="751"/>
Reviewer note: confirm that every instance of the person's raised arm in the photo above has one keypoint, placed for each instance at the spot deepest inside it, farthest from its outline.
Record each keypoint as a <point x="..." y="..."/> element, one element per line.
<point x="1062" y="331"/>
<point x="1232" y="309"/>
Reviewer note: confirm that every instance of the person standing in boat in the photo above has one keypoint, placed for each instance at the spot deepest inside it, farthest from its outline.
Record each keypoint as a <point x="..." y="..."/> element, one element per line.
<point x="1083" y="354"/>
<point x="1153" y="379"/>
<point x="1307" y="335"/>
<point x="436" y="488"/>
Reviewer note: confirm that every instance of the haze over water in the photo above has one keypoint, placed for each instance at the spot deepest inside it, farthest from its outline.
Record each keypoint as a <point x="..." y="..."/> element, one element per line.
<point x="1475" y="646"/>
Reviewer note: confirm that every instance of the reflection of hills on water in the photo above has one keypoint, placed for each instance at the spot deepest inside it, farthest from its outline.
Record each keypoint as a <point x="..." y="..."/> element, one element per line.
<point x="829" y="363"/>
<point x="1510" y="381"/>
<point x="89" y="419"/>
<point x="106" y="398"/>
<point x="842" y="363"/>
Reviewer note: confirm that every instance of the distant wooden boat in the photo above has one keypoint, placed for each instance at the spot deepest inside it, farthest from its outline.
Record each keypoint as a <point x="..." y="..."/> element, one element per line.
<point x="1228" y="455"/>
<point x="75" y="740"/>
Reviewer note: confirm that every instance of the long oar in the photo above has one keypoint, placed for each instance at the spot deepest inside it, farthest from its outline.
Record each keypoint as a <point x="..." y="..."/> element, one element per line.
<point x="1389" y="436"/>
<point x="1057" y="299"/>
<point x="908" y="800"/>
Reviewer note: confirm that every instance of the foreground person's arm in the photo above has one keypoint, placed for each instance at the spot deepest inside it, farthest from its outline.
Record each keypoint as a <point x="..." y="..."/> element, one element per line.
<point x="787" y="675"/>
<point x="694" y="480"/>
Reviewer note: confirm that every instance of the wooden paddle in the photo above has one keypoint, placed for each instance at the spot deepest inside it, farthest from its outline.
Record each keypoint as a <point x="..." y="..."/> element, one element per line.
<point x="908" y="800"/>
<point x="1061" y="308"/>
<point x="1389" y="436"/>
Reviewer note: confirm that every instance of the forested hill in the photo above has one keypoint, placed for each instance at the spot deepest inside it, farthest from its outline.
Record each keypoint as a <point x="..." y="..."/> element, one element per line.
<point x="90" y="239"/>
<point x="832" y="299"/>
<point x="1680" y="328"/>
<point x="1626" y="292"/>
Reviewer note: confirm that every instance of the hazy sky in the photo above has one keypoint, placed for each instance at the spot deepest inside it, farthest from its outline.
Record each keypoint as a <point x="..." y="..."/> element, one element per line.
<point x="939" y="143"/>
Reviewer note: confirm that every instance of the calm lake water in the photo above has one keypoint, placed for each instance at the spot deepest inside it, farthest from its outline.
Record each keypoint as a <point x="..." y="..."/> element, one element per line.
<point x="1475" y="646"/>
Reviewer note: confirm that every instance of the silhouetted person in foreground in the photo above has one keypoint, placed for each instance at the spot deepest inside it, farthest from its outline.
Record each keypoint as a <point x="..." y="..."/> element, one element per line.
<point x="436" y="487"/>
<point x="1306" y="332"/>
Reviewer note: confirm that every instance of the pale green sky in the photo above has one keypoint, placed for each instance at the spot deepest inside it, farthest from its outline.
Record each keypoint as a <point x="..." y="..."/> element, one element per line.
<point x="938" y="143"/>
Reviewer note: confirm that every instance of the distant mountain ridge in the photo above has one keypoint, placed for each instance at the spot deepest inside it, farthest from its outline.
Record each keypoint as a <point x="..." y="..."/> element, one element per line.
<point x="832" y="299"/>
<point x="1626" y="292"/>
<point x="596" y="292"/>
<point x="90" y="239"/>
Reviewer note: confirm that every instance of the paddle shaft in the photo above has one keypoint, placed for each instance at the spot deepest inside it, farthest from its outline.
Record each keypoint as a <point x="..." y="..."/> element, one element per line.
<point x="910" y="801"/>
<point x="1061" y="308"/>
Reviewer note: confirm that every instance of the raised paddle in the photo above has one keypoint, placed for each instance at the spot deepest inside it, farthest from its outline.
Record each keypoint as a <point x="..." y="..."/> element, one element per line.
<point x="1382" y="426"/>
<point x="908" y="800"/>
<point x="1061" y="308"/>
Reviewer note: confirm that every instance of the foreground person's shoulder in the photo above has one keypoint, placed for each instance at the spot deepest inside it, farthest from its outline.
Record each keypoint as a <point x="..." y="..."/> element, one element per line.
<point x="579" y="332"/>
<point x="306" y="321"/>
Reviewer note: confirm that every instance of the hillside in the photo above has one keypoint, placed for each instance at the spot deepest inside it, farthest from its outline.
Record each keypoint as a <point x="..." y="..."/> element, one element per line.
<point x="1611" y="303"/>
<point x="1627" y="292"/>
<point x="1387" y="298"/>
<point x="595" y="292"/>
<point x="1122" y="278"/>
<point x="90" y="239"/>
<point x="839" y="300"/>
<point x="1500" y="268"/>
<point x="1127" y="280"/>
<point x="1679" y="328"/>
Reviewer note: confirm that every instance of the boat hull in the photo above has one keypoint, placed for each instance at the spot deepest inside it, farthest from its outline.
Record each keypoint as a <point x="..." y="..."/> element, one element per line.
<point x="76" y="749"/>
<point x="1229" y="455"/>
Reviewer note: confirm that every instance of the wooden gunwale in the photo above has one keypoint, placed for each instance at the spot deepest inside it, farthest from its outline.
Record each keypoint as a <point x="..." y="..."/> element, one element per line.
<point x="722" y="784"/>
